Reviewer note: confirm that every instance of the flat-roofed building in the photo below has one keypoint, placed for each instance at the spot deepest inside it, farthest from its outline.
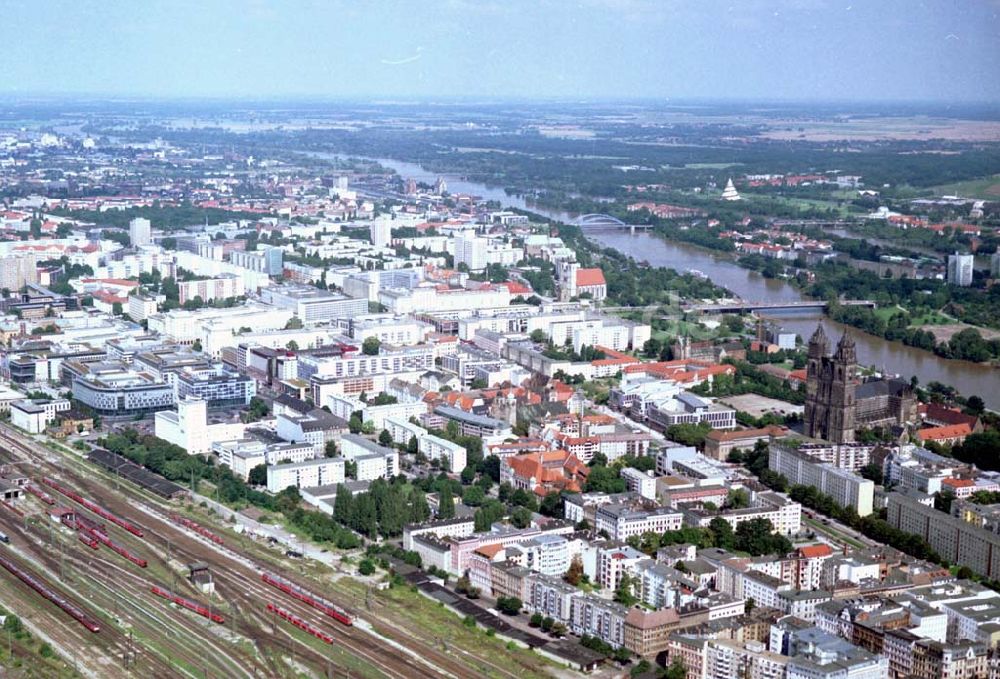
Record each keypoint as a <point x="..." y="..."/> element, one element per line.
<point x="845" y="487"/>
<point x="305" y="474"/>
<point x="312" y="305"/>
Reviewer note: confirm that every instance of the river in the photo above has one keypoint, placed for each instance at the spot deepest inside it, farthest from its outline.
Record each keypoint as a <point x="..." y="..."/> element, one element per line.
<point x="894" y="357"/>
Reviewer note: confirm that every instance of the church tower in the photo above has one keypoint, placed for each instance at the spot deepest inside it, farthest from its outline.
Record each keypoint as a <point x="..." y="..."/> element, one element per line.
<point x="843" y="387"/>
<point x="814" y="416"/>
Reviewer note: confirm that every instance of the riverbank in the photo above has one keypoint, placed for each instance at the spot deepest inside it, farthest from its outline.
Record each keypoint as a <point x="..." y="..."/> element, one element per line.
<point x="893" y="324"/>
<point x="883" y="355"/>
<point x="895" y="357"/>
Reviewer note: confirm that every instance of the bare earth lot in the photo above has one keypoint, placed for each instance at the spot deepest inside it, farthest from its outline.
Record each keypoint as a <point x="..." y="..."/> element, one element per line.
<point x="760" y="405"/>
<point x="943" y="333"/>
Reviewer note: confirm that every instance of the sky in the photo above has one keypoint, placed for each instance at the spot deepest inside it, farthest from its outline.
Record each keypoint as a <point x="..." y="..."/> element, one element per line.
<point x="800" y="50"/>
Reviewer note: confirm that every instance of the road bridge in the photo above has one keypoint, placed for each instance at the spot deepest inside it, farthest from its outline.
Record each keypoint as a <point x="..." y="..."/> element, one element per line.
<point x="743" y="306"/>
<point x="601" y="221"/>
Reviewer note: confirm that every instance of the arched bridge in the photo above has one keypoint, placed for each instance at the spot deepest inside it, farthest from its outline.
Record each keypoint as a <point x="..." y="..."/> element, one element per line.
<point x="599" y="221"/>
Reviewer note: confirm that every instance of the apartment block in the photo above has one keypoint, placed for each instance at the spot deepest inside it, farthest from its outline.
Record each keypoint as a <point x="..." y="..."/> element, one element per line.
<point x="846" y="488"/>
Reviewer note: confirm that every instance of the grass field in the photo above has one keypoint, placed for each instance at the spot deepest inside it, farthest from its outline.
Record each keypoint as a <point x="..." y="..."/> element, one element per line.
<point x="835" y="534"/>
<point x="987" y="188"/>
<point x="925" y="318"/>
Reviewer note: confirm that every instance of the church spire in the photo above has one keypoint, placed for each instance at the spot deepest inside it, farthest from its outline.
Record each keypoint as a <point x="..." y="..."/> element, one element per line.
<point x="818" y="343"/>
<point x="846" y="349"/>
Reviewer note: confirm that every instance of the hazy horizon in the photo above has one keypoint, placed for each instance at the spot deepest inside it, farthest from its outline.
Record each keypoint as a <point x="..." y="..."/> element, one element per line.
<point x="402" y="51"/>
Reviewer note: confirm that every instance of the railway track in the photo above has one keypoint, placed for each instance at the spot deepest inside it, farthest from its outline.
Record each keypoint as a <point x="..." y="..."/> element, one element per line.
<point x="237" y="578"/>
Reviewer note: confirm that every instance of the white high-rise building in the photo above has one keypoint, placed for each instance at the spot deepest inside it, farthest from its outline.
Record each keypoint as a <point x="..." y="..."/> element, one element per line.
<point x="995" y="264"/>
<point x="140" y="232"/>
<point x="960" y="269"/>
<point x="381" y="233"/>
<point x="470" y="250"/>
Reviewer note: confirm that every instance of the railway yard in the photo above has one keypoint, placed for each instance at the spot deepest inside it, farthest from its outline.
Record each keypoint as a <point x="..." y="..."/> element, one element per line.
<point x="99" y="568"/>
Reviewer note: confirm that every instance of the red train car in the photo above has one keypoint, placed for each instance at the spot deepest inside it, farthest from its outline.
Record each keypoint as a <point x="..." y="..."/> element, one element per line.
<point x="188" y="604"/>
<point x="88" y="540"/>
<point x="300" y="623"/>
<point x="331" y="609"/>
<point x="96" y="508"/>
<point x="115" y="547"/>
<point x="40" y="494"/>
<point x="39" y="586"/>
<point x="197" y="528"/>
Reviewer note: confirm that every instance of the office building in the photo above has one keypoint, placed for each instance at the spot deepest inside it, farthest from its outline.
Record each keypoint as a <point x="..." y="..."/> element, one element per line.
<point x="218" y="387"/>
<point x="188" y="427"/>
<point x="113" y="390"/>
<point x="312" y="305"/>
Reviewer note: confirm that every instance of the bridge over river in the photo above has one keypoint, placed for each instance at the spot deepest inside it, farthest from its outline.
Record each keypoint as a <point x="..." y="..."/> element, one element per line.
<point x="599" y="221"/>
<point x="743" y="306"/>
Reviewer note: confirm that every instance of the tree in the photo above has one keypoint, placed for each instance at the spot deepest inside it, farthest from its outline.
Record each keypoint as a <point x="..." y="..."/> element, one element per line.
<point x="975" y="404"/>
<point x="625" y="591"/>
<point x="552" y="504"/>
<point x="258" y="475"/>
<point x="538" y="336"/>
<point x="489" y="513"/>
<point x="652" y="348"/>
<point x="116" y="308"/>
<point x="331" y="449"/>
<point x="738" y="498"/>
<point x="689" y="434"/>
<point x="509" y="605"/>
<point x="873" y="472"/>
<point x="677" y="670"/>
<point x="371" y="346"/>
<point x="520" y="517"/>
<point x="256" y="410"/>
<point x="756" y="536"/>
<point x="355" y="425"/>
<point x="343" y="505"/>
<point x="604" y="480"/>
<point x="294" y="323"/>
<point x="722" y="533"/>
<point x="413" y="445"/>
<point x="385" y="438"/>
<point x="473" y="496"/>
<point x="446" y="504"/>
<point x="366" y="567"/>
<point x="640" y="668"/>
<point x="170" y="289"/>
<point x="574" y="574"/>
<point x="292" y="345"/>
<point x="536" y="620"/>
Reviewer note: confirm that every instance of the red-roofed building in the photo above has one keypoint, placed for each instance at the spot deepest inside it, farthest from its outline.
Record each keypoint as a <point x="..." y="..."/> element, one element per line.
<point x="939" y="415"/>
<point x="962" y="488"/>
<point x="805" y="569"/>
<point x="591" y="281"/>
<point x="947" y="435"/>
<point x="516" y="288"/>
<point x="544" y="472"/>
<point x="519" y="447"/>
